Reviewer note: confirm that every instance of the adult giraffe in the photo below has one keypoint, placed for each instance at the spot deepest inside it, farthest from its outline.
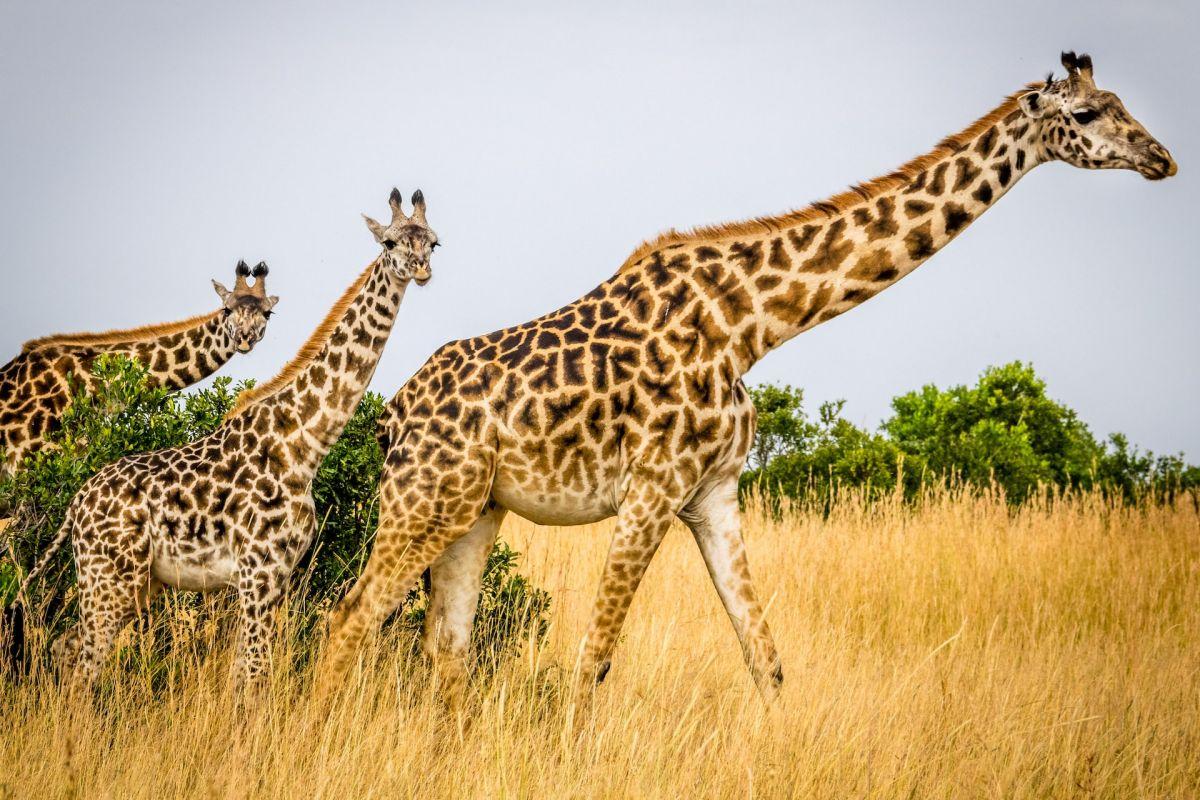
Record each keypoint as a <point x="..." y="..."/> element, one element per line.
<point x="35" y="387"/>
<point x="629" y="401"/>
<point x="234" y="509"/>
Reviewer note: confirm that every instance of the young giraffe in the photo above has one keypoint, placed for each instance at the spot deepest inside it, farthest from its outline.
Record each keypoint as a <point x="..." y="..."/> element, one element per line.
<point x="35" y="387"/>
<point x="629" y="401"/>
<point x="234" y="508"/>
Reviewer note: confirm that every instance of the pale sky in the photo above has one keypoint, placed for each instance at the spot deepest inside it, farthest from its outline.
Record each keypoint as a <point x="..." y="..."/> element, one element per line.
<point x="145" y="148"/>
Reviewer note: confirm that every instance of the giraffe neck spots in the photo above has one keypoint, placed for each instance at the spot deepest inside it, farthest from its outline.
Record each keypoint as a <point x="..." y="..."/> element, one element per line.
<point x="300" y="420"/>
<point x="753" y="293"/>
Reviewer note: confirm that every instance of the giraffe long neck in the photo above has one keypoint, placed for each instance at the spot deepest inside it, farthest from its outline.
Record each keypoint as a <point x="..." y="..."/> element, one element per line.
<point x="182" y="358"/>
<point x="768" y="280"/>
<point x="311" y="401"/>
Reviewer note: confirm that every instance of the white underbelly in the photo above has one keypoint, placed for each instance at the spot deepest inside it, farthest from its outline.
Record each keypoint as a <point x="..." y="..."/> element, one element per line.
<point x="196" y="572"/>
<point x="560" y="509"/>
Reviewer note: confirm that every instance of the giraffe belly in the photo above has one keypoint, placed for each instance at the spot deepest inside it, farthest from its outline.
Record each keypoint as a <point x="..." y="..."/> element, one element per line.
<point x="552" y="508"/>
<point x="200" y="571"/>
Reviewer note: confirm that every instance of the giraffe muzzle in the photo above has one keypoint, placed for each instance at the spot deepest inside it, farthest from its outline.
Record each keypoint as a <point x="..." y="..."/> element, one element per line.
<point x="1157" y="163"/>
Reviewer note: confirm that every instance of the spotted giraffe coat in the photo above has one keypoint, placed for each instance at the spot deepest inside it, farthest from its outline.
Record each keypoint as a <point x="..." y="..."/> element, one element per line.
<point x="234" y="508"/>
<point x="37" y="385"/>
<point x="629" y="402"/>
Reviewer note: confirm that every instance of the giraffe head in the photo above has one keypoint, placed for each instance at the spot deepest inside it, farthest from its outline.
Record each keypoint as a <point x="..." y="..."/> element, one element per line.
<point x="247" y="308"/>
<point x="408" y="242"/>
<point x="1090" y="128"/>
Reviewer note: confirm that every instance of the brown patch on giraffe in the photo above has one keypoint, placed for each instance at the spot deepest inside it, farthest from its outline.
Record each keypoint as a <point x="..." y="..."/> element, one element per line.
<point x="819" y="302"/>
<point x="916" y="208"/>
<point x="875" y="266"/>
<point x="785" y="305"/>
<point x="779" y="258"/>
<point x="747" y="256"/>
<point x="966" y="175"/>
<point x="987" y="141"/>
<point x="725" y="287"/>
<point x="833" y="250"/>
<point x="919" y="242"/>
<point x="956" y="217"/>
<point x="938" y="184"/>
<point x="802" y="240"/>
<point x="884" y="224"/>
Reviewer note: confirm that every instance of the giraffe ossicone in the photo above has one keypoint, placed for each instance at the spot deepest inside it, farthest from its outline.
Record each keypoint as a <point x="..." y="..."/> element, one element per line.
<point x="234" y="508"/>
<point x="629" y="401"/>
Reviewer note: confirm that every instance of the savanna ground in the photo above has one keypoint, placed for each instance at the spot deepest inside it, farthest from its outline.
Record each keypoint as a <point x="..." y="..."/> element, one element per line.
<point x="957" y="649"/>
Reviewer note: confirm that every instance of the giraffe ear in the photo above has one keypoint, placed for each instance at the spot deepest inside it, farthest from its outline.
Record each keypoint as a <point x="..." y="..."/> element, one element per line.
<point x="1035" y="104"/>
<point x="375" y="228"/>
<point x="222" y="292"/>
<point x="271" y="301"/>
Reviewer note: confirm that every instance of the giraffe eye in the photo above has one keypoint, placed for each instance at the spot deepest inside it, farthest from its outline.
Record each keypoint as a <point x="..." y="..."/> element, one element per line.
<point x="435" y="245"/>
<point x="388" y="244"/>
<point x="267" y="314"/>
<point x="1085" y="115"/>
<point x="227" y="311"/>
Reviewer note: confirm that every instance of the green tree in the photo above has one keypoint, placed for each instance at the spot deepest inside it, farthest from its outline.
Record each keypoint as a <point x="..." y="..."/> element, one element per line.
<point x="1005" y="428"/>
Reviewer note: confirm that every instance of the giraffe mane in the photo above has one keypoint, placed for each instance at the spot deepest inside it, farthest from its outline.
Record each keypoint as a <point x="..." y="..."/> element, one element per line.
<point x="118" y="335"/>
<point x="839" y="203"/>
<point x="308" y="352"/>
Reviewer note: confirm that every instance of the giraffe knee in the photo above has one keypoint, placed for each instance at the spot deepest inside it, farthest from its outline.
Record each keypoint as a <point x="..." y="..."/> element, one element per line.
<point x="602" y="671"/>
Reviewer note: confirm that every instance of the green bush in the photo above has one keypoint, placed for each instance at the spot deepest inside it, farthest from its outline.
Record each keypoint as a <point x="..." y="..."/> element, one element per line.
<point x="125" y="415"/>
<point x="1004" y="431"/>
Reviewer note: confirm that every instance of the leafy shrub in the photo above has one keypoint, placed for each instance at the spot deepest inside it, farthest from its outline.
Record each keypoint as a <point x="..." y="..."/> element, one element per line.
<point x="1005" y="431"/>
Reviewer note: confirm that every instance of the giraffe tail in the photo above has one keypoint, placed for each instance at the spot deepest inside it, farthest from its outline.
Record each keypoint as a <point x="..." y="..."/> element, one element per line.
<point x="12" y="621"/>
<point x="44" y="561"/>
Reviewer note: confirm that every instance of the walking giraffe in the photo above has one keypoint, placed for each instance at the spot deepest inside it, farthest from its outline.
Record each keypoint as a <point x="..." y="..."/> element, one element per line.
<point x="234" y="508"/>
<point x="628" y="402"/>
<point x="35" y="387"/>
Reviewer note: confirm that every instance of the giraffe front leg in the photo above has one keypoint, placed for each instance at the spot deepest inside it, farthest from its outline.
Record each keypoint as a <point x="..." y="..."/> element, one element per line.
<point x="455" y="580"/>
<point x="715" y="522"/>
<point x="642" y="521"/>
<point x="423" y="512"/>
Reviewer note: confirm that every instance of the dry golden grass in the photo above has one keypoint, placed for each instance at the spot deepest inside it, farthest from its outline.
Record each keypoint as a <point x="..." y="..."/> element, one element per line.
<point x="957" y="650"/>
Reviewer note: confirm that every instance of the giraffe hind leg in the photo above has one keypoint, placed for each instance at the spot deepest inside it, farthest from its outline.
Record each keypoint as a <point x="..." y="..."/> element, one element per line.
<point x="455" y="581"/>
<point x="714" y="520"/>
<point x="115" y="585"/>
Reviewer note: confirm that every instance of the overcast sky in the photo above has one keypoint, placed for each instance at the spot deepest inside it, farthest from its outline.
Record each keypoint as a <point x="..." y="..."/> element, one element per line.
<point x="145" y="148"/>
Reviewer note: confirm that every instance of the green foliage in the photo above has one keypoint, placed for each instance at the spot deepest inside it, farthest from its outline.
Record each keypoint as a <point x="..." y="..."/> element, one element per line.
<point x="1002" y="431"/>
<point x="814" y="458"/>
<point x="126" y="415"/>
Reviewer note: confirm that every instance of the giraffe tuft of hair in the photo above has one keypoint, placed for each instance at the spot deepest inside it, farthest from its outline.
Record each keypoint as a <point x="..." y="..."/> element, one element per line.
<point x="260" y="269"/>
<point x="242" y="269"/>
<point x="395" y="196"/>
<point x="418" y="197"/>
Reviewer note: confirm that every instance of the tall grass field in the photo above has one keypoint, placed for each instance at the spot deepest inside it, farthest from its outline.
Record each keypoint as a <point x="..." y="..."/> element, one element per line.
<point x="957" y="648"/>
